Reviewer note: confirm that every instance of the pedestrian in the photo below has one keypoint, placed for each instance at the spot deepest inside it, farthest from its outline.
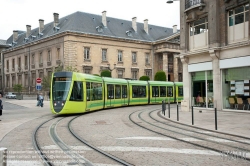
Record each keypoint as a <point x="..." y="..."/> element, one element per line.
<point x="1" y="106"/>
<point x="41" y="100"/>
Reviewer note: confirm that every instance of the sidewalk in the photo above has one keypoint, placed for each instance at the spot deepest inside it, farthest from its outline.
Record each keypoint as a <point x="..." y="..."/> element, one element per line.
<point x="236" y="123"/>
<point x="27" y="111"/>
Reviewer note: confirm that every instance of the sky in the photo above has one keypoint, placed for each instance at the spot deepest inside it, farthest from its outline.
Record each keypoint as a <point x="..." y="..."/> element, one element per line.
<point x="16" y="14"/>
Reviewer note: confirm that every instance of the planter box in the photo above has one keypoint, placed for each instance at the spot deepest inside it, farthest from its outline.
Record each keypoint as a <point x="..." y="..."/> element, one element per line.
<point x="19" y="97"/>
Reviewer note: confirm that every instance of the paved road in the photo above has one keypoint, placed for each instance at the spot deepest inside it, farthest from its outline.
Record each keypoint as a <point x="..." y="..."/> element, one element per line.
<point x="17" y="113"/>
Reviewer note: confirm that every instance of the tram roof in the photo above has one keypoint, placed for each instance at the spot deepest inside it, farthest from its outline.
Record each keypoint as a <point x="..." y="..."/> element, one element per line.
<point x="160" y="83"/>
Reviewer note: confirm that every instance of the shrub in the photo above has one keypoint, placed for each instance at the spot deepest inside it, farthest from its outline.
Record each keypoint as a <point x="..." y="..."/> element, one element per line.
<point x="144" y="78"/>
<point x="160" y="76"/>
<point x="105" y="73"/>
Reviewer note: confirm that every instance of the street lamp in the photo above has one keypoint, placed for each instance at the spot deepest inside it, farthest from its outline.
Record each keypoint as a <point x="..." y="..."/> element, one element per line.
<point x="171" y="1"/>
<point x="110" y="68"/>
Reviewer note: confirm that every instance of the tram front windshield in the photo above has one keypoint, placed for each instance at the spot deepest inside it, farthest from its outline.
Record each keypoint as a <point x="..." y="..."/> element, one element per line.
<point x="60" y="88"/>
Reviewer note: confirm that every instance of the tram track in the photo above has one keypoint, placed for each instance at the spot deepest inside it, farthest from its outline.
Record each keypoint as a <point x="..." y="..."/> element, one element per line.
<point x="176" y="132"/>
<point x="75" y="158"/>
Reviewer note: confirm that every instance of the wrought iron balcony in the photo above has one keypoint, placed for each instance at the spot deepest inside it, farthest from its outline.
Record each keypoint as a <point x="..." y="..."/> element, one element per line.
<point x="193" y="3"/>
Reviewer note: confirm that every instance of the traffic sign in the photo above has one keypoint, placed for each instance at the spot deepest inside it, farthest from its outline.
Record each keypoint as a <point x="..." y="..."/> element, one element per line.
<point x="38" y="87"/>
<point x="38" y="80"/>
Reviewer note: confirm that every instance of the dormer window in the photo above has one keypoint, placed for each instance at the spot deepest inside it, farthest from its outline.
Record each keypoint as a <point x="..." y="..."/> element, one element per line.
<point x="33" y="37"/>
<point x="99" y="29"/>
<point x="14" y="43"/>
<point x="40" y="35"/>
<point x="129" y="33"/>
<point x="25" y="40"/>
<point x="56" y="29"/>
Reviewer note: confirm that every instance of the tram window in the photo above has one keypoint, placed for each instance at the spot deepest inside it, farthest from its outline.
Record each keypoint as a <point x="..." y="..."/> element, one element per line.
<point x="96" y="91"/>
<point x="155" y="91"/>
<point x="162" y="91"/>
<point x="180" y="91"/>
<point x="117" y="91"/>
<point x="88" y="87"/>
<point x="60" y="89"/>
<point x="124" y="91"/>
<point x="170" y="91"/>
<point x="138" y="91"/>
<point x="110" y="91"/>
<point x="77" y="92"/>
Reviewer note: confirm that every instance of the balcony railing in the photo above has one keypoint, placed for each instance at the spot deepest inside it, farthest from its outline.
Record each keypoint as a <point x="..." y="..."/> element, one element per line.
<point x="192" y="3"/>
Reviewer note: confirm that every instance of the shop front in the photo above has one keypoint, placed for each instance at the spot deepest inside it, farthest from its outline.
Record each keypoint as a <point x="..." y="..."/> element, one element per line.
<point x="236" y="83"/>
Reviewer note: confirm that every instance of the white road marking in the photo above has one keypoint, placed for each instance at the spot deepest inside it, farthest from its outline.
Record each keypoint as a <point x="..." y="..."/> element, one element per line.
<point x="185" y="139"/>
<point x="152" y="149"/>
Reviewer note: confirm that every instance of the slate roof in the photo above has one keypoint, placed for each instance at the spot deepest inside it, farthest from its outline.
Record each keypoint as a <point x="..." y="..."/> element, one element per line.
<point x="86" y="23"/>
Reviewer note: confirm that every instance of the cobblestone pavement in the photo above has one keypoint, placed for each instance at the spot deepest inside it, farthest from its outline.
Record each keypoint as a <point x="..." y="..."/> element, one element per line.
<point x="111" y="131"/>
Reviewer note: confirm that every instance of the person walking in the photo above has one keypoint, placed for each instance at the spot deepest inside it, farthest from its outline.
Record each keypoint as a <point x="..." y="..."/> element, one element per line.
<point x="41" y="100"/>
<point x="1" y="105"/>
<point x="38" y="100"/>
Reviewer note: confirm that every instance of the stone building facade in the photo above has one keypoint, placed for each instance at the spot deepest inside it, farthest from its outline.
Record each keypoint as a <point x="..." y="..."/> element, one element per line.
<point x="215" y="54"/>
<point x="91" y="43"/>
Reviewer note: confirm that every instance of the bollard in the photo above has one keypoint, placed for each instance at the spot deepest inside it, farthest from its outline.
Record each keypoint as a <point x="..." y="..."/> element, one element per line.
<point x="192" y="115"/>
<point x="168" y="108"/>
<point x="3" y="156"/>
<point x="177" y="112"/>
<point x="163" y="107"/>
<point x="215" y="113"/>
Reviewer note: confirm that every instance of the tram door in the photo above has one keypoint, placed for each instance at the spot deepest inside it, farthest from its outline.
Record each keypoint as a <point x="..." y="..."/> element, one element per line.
<point x="124" y="95"/>
<point x="110" y="95"/>
<point x="155" y="94"/>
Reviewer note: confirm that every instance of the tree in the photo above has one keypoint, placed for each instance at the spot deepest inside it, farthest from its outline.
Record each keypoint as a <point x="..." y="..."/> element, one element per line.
<point x="160" y="76"/>
<point x="46" y="82"/>
<point x="66" y="68"/>
<point x="105" y="73"/>
<point x="18" y="88"/>
<point x="144" y="78"/>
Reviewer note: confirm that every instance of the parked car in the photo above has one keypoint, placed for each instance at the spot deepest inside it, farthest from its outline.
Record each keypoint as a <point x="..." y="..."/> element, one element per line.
<point x="10" y="95"/>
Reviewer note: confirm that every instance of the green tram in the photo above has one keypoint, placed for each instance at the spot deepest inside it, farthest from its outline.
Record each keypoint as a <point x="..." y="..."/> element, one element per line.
<point x="73" y="92"/>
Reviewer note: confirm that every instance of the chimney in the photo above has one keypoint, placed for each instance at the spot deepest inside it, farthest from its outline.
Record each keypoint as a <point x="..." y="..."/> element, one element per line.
<point x="56" y="19"/>
<point x="104" y="21"/>
<point x="134" y="24"/>
<point x="174" y="28"/>
<point x="15" y="35"/>
<point x="28" y="30"/>
<point x="41" y="25"/>
<point x="146" y="26"/>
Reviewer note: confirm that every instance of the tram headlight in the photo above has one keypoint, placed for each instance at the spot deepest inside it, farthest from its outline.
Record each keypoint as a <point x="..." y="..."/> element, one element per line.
<point x="54" y="103"/>
<point x="62" y="103"/>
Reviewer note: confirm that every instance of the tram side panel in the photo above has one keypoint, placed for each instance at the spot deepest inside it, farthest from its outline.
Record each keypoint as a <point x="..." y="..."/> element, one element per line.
<point x="138" y="92"/>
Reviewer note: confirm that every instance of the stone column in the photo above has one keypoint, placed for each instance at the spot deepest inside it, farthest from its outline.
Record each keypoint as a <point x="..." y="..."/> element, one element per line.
<point x="218" y="102"/>
<point x="186" y="102"/>
<point x="176" y="68"/>
<point x="165" y="64"/>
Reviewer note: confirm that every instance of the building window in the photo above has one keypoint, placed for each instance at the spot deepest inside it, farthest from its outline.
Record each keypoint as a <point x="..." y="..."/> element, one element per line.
<point x="147" y="58"/>
<point x="134" y="74"/>
<point x="86" y="53"/>
<point x="87" y="71"/>
<point x="104" y="54"/>
<point x="148" y="73"/>
<point x="198" y="34"/>
<point x="13" y="64"/>
<point x="33" y="83"/>
<point x="120" y="74"/>
<point x="134" y="57"/>
<point x="238" y="23"/>
<point x="198" y="26"/>
<point x="8" y="81"/>
<point x="119" y="56"/>
<point x="20" y="79"/>
<point x="26" y="80"/>
<point x="170" y="67"/>
<point x="41" y="58"/>
<point x="19" y="62"/>
<point x="58" y="53"/>
<point x="13" y="81"/>
<point x="7" y="65"/>
<point x="33" y="59"/>
<point x="49" y="56"/>
<point x="26" y="61"/>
